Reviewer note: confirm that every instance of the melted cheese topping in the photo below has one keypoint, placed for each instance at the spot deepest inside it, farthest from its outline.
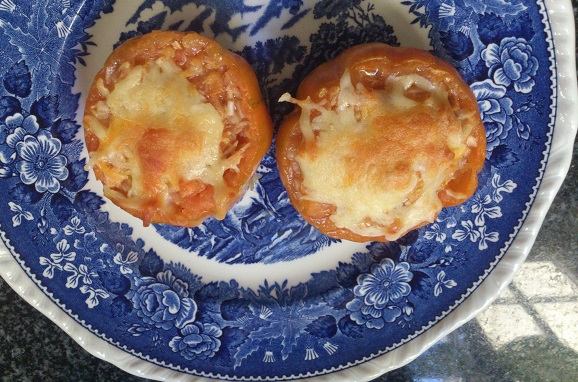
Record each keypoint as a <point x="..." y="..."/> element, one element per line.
<point x="161" y="131"/>
<point x="381" y="157"/>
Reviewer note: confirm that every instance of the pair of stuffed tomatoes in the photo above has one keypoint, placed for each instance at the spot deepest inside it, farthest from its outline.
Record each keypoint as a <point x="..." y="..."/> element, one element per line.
<point x="175" y="126"/>
<point x="381" y="139"/>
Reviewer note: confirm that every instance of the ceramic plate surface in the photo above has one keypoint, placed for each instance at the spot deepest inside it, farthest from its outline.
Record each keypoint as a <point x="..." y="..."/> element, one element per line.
<point x="262" y="295"/>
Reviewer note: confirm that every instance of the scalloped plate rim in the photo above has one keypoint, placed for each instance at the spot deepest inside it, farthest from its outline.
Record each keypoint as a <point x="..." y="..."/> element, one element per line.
<point x="558" y="163"/>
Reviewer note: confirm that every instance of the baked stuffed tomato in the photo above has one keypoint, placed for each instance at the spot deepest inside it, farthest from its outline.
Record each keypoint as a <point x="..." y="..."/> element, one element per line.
<point x="381" y="139"/>
<point x="175" y="126"/>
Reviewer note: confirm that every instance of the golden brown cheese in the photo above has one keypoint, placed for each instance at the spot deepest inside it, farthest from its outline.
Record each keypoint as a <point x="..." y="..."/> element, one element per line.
<point x="175" y="126"/>
<point x="381" y="156"/>
<point x="159" y="121"/>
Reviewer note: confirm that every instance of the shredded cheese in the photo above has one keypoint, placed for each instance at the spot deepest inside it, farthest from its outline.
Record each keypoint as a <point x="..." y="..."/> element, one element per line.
<point x="161" y="131"/>
<point x="380" y="157"/>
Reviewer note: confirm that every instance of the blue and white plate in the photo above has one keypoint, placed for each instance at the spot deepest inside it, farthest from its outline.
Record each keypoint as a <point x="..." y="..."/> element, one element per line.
<point x="262" y="295"/>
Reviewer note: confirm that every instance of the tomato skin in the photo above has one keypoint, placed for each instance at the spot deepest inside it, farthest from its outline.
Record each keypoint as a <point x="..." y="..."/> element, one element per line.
<point x="370" y="64"/>
<point x="193" y="203"/>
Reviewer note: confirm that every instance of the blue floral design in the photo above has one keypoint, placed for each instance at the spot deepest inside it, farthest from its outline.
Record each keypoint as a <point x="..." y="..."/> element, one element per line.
<point x="386" y="282"/>
<point x="90" y="244"/>
<point x="20" y="214"/>
<point x="435" y="232"/>
<point x="41" y="163"/>
<point x="222" y="329"/>
<point x="12" y="131"/>
<point x="378" y="293"/>
<point x="292" y="5"/>
<point x="512" y="62"/>
<point x="164" y="301"/>
<point x="496" y="111"/>
<point x="197" y="341"/>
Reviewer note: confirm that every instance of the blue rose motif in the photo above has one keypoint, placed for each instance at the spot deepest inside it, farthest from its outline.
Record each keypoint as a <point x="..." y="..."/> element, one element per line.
<point x="197" y="341"/>
<point x="12" y="131"/>
<point x="164" y="301"/>
<point x="41" y="163"/>
<point x="379" y="293"/>
<point x="496" y="111"/>
<point x="512" y="62"/>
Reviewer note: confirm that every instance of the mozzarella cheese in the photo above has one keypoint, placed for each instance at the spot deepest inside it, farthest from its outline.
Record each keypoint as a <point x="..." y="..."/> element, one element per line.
<point x="381" y="157"/>
<point x="160" y="131"/>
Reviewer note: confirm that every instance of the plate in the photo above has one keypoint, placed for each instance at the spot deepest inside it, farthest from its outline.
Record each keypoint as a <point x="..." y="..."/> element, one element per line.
<point x="262" y="295"/>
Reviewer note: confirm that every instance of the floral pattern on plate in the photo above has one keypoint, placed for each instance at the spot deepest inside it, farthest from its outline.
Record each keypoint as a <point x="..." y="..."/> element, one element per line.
<point x="121" y="287"/>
